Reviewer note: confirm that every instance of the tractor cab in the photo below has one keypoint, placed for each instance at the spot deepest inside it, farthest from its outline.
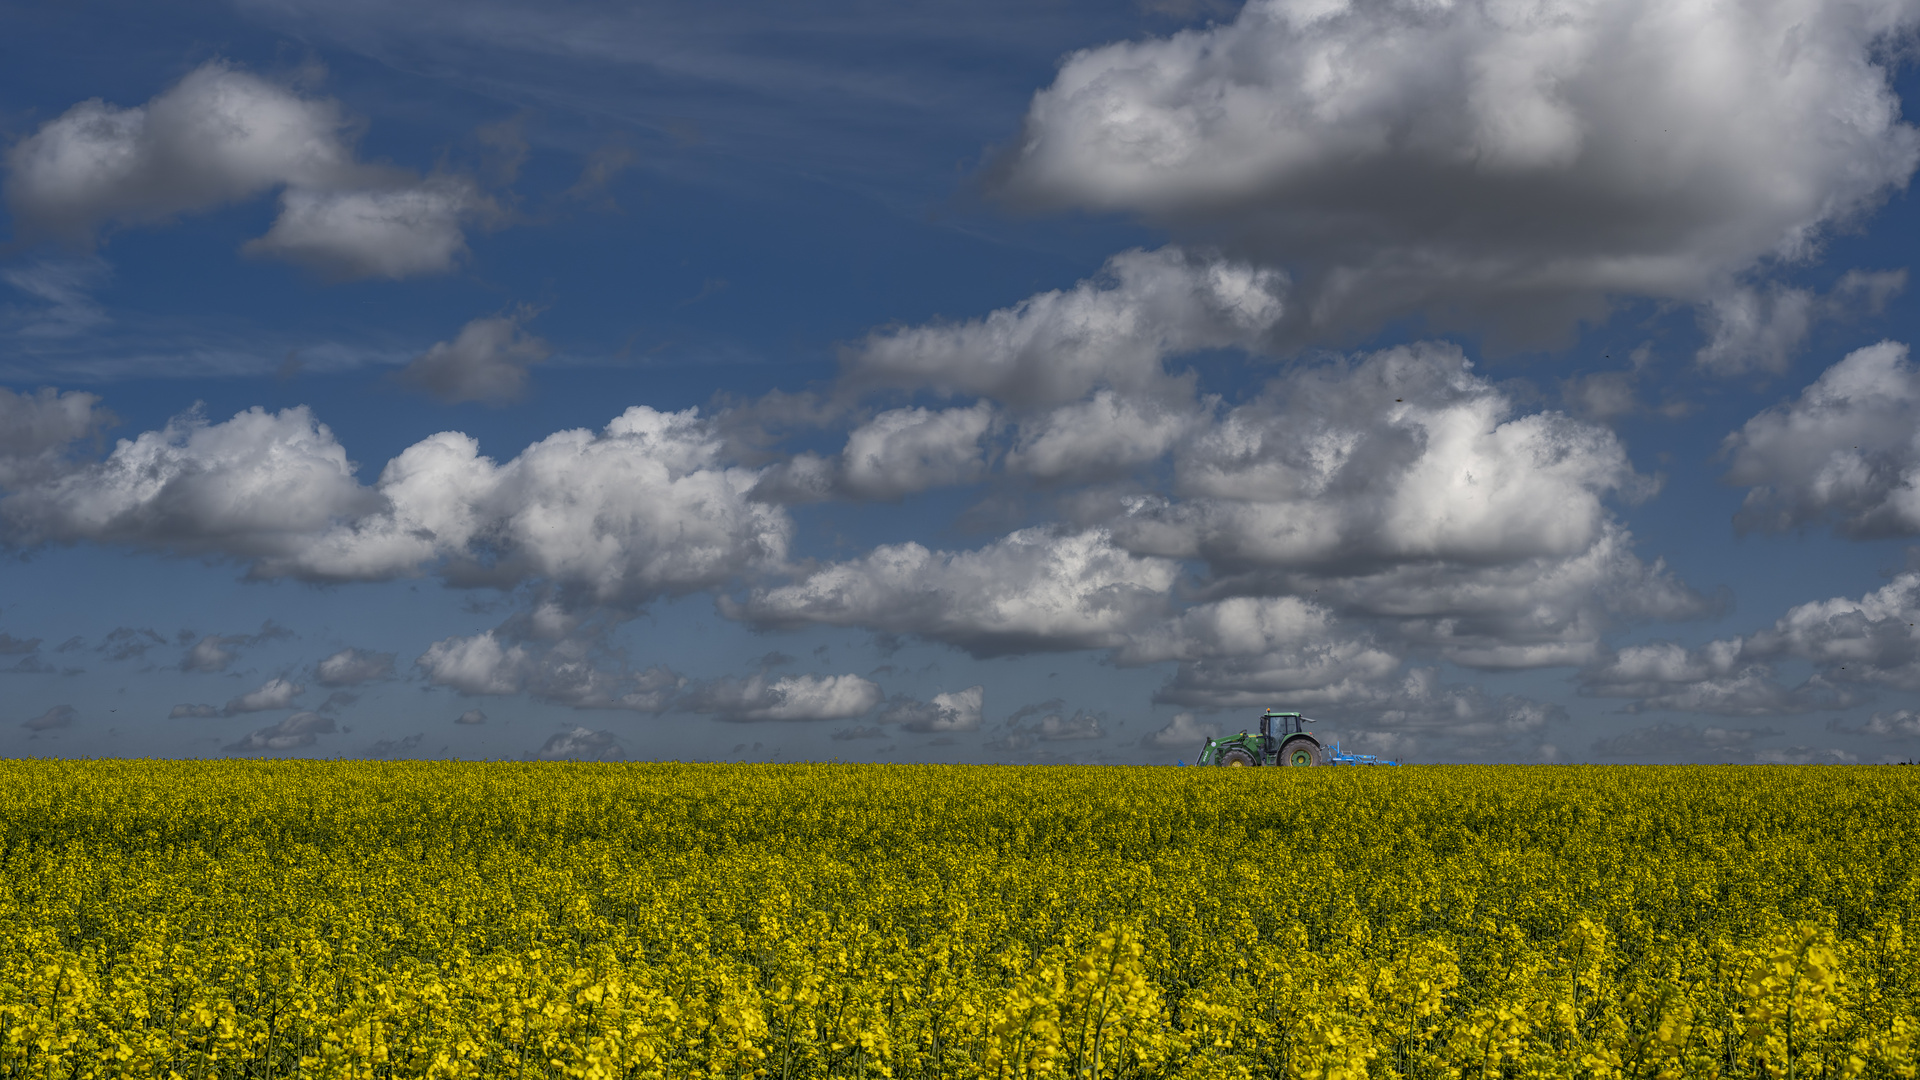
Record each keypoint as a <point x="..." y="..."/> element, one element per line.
<point x="1276" y="726"/>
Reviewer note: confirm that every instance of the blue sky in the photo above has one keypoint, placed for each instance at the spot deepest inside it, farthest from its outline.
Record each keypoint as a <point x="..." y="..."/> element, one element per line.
<point x="990" y="382"/>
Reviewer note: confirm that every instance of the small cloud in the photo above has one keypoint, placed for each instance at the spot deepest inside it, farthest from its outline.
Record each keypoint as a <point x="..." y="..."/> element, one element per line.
<point x="959" y="710"/>
<point x="194" y="711"/>
<point x="470" y="717"/>
<point x="1184" y="731"/>
<point x="791" y="697"/>
<point x="60" y="716"/>
<point x="273" y="694"/>
<point x="351" y="667"/>
<point x="390" y="747"/>
<point x="1899" y="724"/>
<point x="215" y="652"/>
<point x="13" y="646"/>
<point x="386" y="232"/>
<point x="294" y="732"/>
<point x="581" y="744"/>
<point x="336" y="701"/>
<point x="486" y="362"/>
<point x="208" y="655"/>
<point x="1052" y="727"/>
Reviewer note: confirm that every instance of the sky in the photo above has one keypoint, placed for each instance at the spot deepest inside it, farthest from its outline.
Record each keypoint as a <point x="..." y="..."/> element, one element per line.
<point x="1039" y="382"/>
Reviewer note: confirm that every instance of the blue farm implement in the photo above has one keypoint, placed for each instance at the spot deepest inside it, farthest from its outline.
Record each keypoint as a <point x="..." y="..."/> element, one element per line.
<point x="1283" y="740"/>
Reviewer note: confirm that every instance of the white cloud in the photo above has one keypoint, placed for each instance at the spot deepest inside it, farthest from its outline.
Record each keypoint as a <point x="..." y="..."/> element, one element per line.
<point x="958" y="710"/>
<point x="1038" y="724"/>
<point x="209" y="654"/>
<point x="1847" y="449"/>
<point x="897" y="453"/>
<point x="1421" y="717"/>
<point x="273" y="694"/>
<point x="790" y="697"/>
<point x="1111" y="331"/>
<point x="1034" y="589"/>
<point x="1754" y="328"/>
<point x="212" y="653"/>
<point x="393" y="232"/>
<point x="471" y="717"/>
<point x="643" y="508"/>
<point x="37" y="432"/>
<point x="1514" y="163"/>
<point x="1869" y="641"/>
<point x="1401" y="488"/>
<point x="1184" y="731"/>
<point x="1402" y="455"/>
<point x="902" y="451"/>
<point x="487" y="361"/>
<point x="259" y="485"/>
<point x="221" y="135"/>
<point x="580" y="744"/>
<point x="1245" y="652"/>
<point x="300" y="729"/>
<point x="351" y="667"/>
<point x="1898" y="724"/>
<point x="1532" y="612"/>
<point x="563" y="672"/>
<point x="1720" y="679"/>
<point x="217" y="136"/>
<point x="481" y="664"/>
<point x="1104" y="436"/>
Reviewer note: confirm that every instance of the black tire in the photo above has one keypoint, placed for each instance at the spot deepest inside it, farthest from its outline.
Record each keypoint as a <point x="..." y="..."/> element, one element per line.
<point x="1301" y="752"/>
<point x="1236" y="758"/>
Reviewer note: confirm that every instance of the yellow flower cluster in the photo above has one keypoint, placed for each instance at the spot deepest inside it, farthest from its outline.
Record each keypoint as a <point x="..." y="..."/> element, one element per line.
<point x="200" y="920"/>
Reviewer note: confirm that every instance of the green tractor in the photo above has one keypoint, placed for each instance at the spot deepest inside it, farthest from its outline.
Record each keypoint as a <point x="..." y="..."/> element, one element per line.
<point x="1283" y="740"/>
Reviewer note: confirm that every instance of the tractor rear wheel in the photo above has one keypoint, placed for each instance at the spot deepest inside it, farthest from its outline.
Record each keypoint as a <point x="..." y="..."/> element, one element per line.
<point x="1300" y="752"/>
<point x="1236" y="758"/>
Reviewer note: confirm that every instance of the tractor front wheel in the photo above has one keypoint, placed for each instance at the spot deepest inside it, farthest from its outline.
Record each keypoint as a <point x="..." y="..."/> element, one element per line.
<point x="1236" y="759"/>
<point x="1300" y="752"/>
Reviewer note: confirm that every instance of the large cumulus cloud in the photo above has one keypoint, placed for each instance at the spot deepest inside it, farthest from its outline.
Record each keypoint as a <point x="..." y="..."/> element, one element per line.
<point x="1035" y="589"/>
<point x="1353" y="512"/>
<point x="1113" y="330"/>
<point x="761" y="697"/>
<point x="221" y="135"/>
<point x="642" y="508"/>
<point x="1508" y="165"/>
<point x="1847" y="450"/>
<point x="1853" y="645"/>
<point x="1403" y="487"/>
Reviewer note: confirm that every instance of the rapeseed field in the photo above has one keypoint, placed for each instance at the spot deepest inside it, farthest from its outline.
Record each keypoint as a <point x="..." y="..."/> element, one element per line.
<point x="320" y="919"/>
